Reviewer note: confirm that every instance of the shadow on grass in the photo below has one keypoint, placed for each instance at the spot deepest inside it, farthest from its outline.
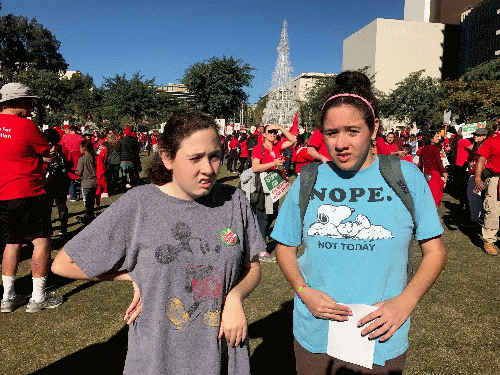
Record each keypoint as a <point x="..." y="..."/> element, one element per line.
<point x="228" y="178"/>
<point x="103" y="358"/>
<point x="456" y="218"/>
<point x="275" y="355"/>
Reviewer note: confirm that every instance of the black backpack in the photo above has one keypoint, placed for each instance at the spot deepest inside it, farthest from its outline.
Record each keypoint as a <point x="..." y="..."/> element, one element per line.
<point x="252" y="141"/>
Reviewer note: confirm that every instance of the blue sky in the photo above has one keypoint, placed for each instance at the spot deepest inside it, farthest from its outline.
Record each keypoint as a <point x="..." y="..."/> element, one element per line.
<point x="160" y="39"/>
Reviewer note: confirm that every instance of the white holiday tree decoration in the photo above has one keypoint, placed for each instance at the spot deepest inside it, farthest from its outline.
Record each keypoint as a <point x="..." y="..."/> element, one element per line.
<point x="281" y="107"/>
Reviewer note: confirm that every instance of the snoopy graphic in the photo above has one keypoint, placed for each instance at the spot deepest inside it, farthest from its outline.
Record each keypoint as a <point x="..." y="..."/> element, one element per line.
<point x="331" y="224"/>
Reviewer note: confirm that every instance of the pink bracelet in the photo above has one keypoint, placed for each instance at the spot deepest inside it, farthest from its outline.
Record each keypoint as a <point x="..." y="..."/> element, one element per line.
<point x="301" y="288"/>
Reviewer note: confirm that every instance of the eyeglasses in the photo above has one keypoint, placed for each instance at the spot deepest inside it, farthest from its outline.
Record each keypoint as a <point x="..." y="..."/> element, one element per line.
<point x="273" y="131"/>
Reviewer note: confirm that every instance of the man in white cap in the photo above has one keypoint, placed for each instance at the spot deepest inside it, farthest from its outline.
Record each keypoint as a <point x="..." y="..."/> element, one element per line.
<point x="24" y="210"/>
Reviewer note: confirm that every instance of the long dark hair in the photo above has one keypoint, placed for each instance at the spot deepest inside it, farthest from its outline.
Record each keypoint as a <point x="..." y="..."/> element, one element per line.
<point x="178" y="127"/>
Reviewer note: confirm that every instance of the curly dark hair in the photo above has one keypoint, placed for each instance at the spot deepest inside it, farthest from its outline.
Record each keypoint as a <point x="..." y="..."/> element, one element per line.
<point x="178" y="127"/>
<point x="356" y="83"/>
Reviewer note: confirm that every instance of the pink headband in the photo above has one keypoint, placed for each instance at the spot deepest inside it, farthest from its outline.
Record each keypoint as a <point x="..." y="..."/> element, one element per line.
<point x="352" y="96"/>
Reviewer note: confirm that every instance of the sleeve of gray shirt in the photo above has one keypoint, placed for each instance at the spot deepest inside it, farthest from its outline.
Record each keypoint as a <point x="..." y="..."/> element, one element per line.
<point x="109" y="242"/>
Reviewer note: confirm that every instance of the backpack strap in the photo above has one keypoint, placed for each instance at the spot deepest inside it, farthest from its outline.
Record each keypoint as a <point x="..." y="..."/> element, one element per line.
<point x="390" y="168"/>
<point x="308" y="174"/>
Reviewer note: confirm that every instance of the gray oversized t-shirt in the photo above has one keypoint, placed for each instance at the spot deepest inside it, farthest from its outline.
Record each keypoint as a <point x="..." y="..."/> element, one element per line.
<point x="185" y="256"/>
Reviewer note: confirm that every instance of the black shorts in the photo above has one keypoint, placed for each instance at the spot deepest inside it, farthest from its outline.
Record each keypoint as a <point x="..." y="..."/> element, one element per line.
<point x="25" y="219"/>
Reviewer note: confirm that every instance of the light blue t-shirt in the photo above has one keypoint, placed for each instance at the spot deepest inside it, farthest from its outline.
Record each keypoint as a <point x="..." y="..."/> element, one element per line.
<point x="356" y="234"/>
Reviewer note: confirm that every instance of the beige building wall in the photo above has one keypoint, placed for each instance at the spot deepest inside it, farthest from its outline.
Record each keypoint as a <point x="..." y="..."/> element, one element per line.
<point x="417" y="10"/>
<point x="301" y="84"/>
<point x="393" y="49"/>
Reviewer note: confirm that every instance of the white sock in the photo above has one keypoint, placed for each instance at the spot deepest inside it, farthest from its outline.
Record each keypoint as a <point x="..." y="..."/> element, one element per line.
<point x="38" y="294"/>
<point x="8" y="287"/>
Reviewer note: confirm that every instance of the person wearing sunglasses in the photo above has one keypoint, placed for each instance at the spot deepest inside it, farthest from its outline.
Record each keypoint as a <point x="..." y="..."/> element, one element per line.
<point x="268" y="157"/>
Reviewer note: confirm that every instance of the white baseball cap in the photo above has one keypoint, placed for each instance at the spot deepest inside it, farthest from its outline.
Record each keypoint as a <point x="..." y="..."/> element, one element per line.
<point x="14" y="90"/>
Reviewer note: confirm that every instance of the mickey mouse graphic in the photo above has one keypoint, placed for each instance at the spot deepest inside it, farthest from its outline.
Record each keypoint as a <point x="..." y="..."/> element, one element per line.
<point x="205" y="282"/>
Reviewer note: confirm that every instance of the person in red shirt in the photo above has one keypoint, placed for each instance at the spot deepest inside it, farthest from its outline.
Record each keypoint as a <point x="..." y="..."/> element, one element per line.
<point x="244" y="155"/>
<point x="232" y="156"/>
<point x="406" y="153"/>
<point x="258" y="133"/>
<point x="489" y="158"/>
<point x="460" y="175"/>
<point x="24" y="208"/>
<point x="267" y="158"/>
<point x="387" y="146"/>
<point x="431" y="164"/>
<point x="317" y="148"/>
<point x="71" y="150"/>
<point x="301" y="155"/>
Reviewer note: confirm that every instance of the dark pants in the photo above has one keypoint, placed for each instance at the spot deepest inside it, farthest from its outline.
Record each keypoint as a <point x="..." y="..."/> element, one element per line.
<point x="244" y="164"/>
<point x="231" y="164"/>
<point x="72" y="189"/>
<point x="89" y="197"/>
<point x="265" y="220"/>
<point x="59" y="196"/>
<point x="113" y="176"/>
<point x="308" y="363"/>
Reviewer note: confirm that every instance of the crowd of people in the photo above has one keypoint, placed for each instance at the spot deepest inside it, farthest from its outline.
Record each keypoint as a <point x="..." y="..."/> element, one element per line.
<point x="191" y="246"/>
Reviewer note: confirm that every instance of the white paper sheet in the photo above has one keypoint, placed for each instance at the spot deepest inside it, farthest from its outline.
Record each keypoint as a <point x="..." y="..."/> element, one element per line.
<point x="345" y="341"/>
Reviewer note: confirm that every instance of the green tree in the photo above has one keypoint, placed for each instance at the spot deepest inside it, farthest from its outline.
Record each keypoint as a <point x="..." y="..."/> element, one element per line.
<point x="415" y="99"/>
<point x="27" y="44"/>
<point x="473" y="101"/>
<point x="487" y="71"/>
<point x="131" y="100"/>
<point x="217" y="84"/>
<point x="310" y="110"/>
<point x="50" y="88"/>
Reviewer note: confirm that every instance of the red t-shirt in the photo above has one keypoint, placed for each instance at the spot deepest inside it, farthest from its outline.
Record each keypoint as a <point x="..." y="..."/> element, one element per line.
<point x="490" y="150"/>
<point x="385" y="148"/>
<point x="408" y="158"/>
<point x="269" y="155"/>
<point x="430" y="159"/>
<point x="317" y="141"/>
<point x="21" y="145"/>
<point x="71" y="150"/>
<point x="233" y="143"/>
<point x="244" y="149"/>
<point x="462" y="153"/>
<point x="302" y="158"/>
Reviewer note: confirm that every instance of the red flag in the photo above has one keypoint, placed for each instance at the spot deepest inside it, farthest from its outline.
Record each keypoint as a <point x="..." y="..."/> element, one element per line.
<point x="295" y="126"/>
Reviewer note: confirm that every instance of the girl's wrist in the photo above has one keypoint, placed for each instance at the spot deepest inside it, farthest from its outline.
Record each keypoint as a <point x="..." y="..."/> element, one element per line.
<point x="301" y="289"/>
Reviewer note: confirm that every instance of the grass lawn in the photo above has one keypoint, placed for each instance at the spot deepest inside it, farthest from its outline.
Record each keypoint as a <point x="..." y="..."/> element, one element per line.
<point x="454" y="328"/>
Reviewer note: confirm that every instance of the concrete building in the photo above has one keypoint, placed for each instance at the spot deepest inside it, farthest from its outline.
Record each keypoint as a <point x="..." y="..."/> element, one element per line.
<point x="304" y="82"/>
<point x="300" y="85"/>
<point x="177" y="90"/>
<point x="428" y="38"/>
<point x="392" y="49"/>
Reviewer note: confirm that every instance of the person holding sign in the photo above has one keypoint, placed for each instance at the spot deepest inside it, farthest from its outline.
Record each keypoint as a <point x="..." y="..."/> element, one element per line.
<point x="356" y="232"/>
<point x="190" y="246"/>
<point x="268" y="157"/>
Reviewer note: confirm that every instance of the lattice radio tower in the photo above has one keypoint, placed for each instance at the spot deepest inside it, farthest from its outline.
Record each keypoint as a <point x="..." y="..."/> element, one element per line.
<point x="281" y="105"/>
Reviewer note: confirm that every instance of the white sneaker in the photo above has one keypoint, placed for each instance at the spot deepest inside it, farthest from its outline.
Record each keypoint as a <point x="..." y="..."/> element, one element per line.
<point x="128" y="186"/>
<point x="9" y="305"/>
<point x="104" y="195"/>
<point x="51" y="301"/>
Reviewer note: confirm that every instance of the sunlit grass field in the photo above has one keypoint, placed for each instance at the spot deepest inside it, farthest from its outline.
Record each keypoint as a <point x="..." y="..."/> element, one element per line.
<point x="454" y="328"/>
